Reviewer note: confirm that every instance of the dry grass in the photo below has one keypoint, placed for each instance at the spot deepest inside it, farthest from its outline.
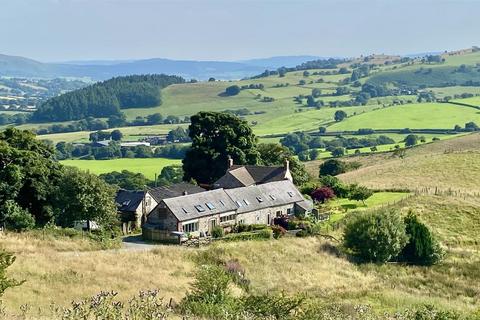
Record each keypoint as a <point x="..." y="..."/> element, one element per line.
<point x="62" y="270"/>
<point x="62" y="277"/>
<point x="450" y="164"/>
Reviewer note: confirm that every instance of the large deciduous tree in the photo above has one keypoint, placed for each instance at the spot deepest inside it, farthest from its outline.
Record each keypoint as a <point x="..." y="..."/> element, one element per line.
<point x="28" y="174"/>
<point x="216" y="136"/>
<point x="85" y="196"/>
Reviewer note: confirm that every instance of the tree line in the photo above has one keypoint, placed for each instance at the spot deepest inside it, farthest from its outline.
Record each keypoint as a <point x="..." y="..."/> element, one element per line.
<point x="36" y="190"/>
<point x="106" y="98"/>
<point x="114" y="121"/>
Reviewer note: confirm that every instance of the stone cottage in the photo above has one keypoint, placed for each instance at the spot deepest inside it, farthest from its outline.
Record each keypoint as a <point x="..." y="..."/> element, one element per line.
<point x="197" y="214"/>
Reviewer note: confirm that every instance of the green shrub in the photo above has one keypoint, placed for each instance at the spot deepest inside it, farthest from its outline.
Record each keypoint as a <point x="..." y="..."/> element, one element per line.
<point x="248" y="227"/>
<point x="302" y="234"/>
<point x="6" y="260"/>
<point x="17" y="218"/>
<point x="332" y="167"/>
<point x="377" y="236"/>
<point x="260" y="235"/>
<point x="265" y="234"/>
<point x="217" y="232"/>
<point x="422" y="248"/>
<point x="210" y="296"/>
<point x="272" y="306"/>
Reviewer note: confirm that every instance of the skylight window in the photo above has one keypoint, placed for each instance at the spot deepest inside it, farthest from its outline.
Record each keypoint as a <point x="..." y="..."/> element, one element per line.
<point x="199" y="208"/>
<point x="259" y="199"/>
<point x="210" y="205"/>
<point x="238" y="203"/>
<point x="246" y="202"/>
<point x="126" y="202"/>
<point x="272" y="197"/>
<point x="290" y="193"/>
<point x="223" y="203"/>
<point x="185" y="210"/>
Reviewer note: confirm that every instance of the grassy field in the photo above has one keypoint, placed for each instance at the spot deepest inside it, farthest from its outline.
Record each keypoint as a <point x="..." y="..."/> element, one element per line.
<point x="420" y="115"/>
<point x="474" y="101"/>
<point x="451" y="91"/>
<point x="289" y="265"/>
<point x="149" y="167"/>
<point x="130" y="133"/>
<point x="377" y="199"/>
<point x="452" y="164"/>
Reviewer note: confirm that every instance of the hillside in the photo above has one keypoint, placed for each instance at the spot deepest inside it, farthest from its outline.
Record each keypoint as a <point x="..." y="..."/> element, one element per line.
<point x="63" y="269"/>
<point x="446" y="166"/>
<point x="106" y="98"/>
<point x="13" y="66"/>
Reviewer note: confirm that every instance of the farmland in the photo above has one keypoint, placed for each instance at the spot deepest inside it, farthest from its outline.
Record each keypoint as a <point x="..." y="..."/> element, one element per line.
<point x="148" y="167"/>
<point x="421" y="116"/>
<point x="447" y="165"/>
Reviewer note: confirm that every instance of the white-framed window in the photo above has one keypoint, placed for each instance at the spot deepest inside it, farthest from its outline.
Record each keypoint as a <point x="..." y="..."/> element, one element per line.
<point x="190" y="227"/>
<point x="227" y="218"/>
<point x="289" y="211"/>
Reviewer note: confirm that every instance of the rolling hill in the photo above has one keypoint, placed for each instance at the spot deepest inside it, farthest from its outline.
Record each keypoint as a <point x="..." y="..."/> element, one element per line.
<point x="13" y="66"/>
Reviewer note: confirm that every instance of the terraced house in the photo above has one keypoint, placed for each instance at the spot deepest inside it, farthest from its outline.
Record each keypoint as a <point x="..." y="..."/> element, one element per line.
<point x="257" y="202"/>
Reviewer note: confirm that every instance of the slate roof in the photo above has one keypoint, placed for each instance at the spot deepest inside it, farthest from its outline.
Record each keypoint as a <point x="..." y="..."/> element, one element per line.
<point x="128" y="201"/>
<point x="240" y="200"/>
<point x="174" y="190"/>
<point x="247" y="175"/>
<point x="184" y="207"/>
<point x="257" y="197"/>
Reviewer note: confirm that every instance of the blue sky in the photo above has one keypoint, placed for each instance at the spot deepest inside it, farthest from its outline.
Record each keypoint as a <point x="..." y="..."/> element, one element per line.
<point x="56" y="30"/>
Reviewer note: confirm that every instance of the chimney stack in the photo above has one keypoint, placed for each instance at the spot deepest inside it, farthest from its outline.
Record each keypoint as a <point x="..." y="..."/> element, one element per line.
<point x="287" y="165"/>
<point x="230" y="162"/>
<point x="185" y="192"/>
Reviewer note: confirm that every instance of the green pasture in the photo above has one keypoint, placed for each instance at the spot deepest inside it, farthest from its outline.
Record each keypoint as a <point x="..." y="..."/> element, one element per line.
<point x="442" y="92"/>
<point x="149" y="167"/>
<point x="377" y="199"/>
<point x="418" y="116"/>
<point x="474" y="101"/>
<point x="457" y="60"/>
<point x="129" y="133"/>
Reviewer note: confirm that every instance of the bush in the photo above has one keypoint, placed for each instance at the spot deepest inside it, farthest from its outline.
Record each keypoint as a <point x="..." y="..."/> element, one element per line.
<point x="377" y="236"/>
<point x="6" y="260"/>
<point x="17" y="218"/>
<point x="302" y="234"/>
<point x="278" y="232"/>
<point x="232" y="90"/>
<point x="248" y="227"/>
<point x="217" y="232"/>
<point x="332" y="167"/>
<point x="359" y="193"/>
<point x="260" y="235"/>
<point x="421" y="248"/>
<point x="341" y="190"/>
<point x="323" y="194"/>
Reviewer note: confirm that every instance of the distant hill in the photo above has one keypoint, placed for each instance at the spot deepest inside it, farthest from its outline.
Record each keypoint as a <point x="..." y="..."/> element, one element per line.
<point x="280" y="61"/>
<point x="104" y="99"/>
<point x="106" y="69"/>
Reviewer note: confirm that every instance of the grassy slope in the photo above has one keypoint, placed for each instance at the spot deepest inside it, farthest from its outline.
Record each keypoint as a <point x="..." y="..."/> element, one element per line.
<point x="420" y="115"/>
<point x="130" y="133"/>
<point x="291" y="265"/>
<point x="449" y="164"/>
<point x="149" y="167"/>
